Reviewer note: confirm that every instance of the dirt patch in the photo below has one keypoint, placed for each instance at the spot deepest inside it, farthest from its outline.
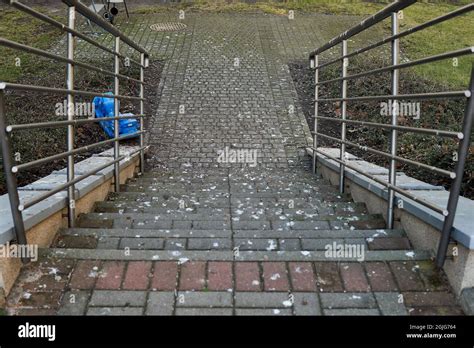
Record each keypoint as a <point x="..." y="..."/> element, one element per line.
<point x="437" y="114"/>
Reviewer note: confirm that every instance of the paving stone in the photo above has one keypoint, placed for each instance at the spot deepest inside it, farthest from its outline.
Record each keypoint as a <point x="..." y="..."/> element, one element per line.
<point x="204" y="299"/>
<point x="380" y="276"/>
<point x="110" y="276"/>
<point x="432" y="299"/>
<point x="210" y="243"/>
<point x="397" y="243"/>
<point x="84" y="275"/>
<point x="119" y="311"/>
<point x="219" y="276"/>
<point x="160" y="303"/>
<point x="306" y="303"/>
<point x="328" y="277"/>
<point x="290" y="244"/>
<point x="390" y="303"/>
<point x="175" y="244"/>
<point x="275" y="277"/>
<point x="165" y="276"/>
<point x="74" y="302"/>
<point x="247" y="276"/>
<point x="142" y="243"/>
<point x="137" y="275"/>
<point x="347" y="300"/>
<point x="407" y="276"/>
<point x="204" y="311"/>
<point x="435" y="311"/>
<point x="193" y="276"/>
<point x="351" y="312"/>
<point x="262" y="311"/>
<point x="467" y="301"/>
<point x="121" y="298"/>
<point x="353" y="277"/>
<point x="256" y="244"/>
<point x="41" y="299"/>
<point x="262" y="300"/>
<point x="302" y="276"/>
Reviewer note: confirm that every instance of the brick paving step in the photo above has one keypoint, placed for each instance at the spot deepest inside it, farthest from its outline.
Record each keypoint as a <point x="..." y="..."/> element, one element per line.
<point x="238" y="207"/>
<point x="192" y="233"/>
<point x="224" y="240"/>
<point x="222" y="220"/>
<point x="219" y="255"/>
<point x="225" y="200"/>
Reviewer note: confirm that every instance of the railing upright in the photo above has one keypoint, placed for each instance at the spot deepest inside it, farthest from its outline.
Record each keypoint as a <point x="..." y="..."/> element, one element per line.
<point x="462" y="154"/>
<point x="315" y="63"/>
<point x="70" y="116"/>
<point x="345" y="64"/>
<point x="395" y="77"/>
<point x="142" y="111"/>
<point x="10" y="177"/>
<point x="116" y="113"/>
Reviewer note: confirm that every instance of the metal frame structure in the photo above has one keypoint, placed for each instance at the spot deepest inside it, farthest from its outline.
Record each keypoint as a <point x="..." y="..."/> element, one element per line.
<point x="463" y="136"/>
<point x="74" y="7"/>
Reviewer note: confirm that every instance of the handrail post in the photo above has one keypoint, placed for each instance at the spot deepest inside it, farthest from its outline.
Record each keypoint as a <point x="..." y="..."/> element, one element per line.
<point x="345" y="63"/>
<point x="10" y="177"/>
<point x="142" y="112"/>
<point x="70" y="117"/>
<point x="392" y="173"/>
<point x="116" y="113"/>
<point x="315" y="63"/>
<point x="463" y="153"/>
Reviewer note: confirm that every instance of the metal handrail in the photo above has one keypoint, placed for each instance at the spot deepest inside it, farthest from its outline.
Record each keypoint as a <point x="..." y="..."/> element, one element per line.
<point x="6" y="130"/>
<point x="463" y="136"/>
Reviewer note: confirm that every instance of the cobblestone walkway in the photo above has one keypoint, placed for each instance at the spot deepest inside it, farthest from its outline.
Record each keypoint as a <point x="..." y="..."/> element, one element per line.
<point x="197" y="235"/>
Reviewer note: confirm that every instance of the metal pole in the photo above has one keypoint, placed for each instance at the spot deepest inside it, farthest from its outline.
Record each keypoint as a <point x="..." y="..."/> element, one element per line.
<point x="392" y="172"/>
<point x="316" y="111"/>
<point x="142" y="112"/>
<point x="70" y="117"/>
<point x="116" y="113"/>
<point x="463" y="152"/>
<point x="10" y="178"/>
<point x="345" y="63"/>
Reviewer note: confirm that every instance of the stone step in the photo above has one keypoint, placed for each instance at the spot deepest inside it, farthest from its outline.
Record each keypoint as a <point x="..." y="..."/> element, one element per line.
<point x="166" y="196"/>
<point x="190" y="233"/>
<point x="221" y="220"/>
<point x="218" y="255"/>
<point x="224" y="240"/>
<point x="240" y="210"/>
<point x="235" y="204"/>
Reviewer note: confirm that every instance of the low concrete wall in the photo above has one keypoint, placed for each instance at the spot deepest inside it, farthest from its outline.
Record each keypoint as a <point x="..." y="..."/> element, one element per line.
<point x="422" y="229"/>
<point x="44" y="222"/>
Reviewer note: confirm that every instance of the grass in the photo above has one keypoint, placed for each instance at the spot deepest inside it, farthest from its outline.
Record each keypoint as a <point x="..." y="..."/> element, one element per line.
<point x="448" y="36"/>
<point x="21" y="27"/>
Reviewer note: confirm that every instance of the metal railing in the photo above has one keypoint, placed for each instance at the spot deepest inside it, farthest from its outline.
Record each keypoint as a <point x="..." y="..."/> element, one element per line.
<point x="463" y="136"/>
<point x="11" y="170"/>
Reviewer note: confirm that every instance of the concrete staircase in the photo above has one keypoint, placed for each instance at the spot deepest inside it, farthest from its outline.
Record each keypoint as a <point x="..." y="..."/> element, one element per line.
<point x="231" y="212"/>
<point x="231" y="242"/>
